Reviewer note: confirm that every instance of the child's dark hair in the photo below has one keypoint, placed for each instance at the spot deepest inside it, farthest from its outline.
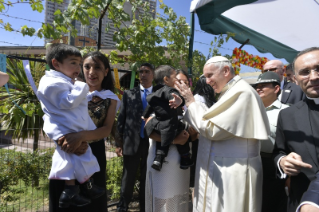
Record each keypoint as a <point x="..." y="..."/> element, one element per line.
<point x="108" y="81"/>
<point x="60" y="51"/>
<point x="205" y="90"/>
<point x="161" y="72"/>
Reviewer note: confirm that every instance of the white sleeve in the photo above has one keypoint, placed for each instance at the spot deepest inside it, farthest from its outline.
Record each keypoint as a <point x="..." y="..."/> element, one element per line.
<point x="307" y="203"/>
<point x="62" y="97"/>
<point x="283" y="175"/>
<point x="206" y="128"/>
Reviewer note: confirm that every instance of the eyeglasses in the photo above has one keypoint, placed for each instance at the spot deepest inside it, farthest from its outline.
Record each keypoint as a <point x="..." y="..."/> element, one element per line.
<point x="306" y="72"/>
<point x="271" y="69"/>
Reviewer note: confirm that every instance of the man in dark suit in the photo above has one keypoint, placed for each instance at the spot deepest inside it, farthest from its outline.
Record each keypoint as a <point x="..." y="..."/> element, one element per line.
<point x="290" y="92"/>
<point x="135" y="144"/>
<point x="297" y="138"/>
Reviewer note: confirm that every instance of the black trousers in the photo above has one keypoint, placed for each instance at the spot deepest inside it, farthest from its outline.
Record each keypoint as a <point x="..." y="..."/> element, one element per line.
<point x="133" y="163"/>
<point x="274" y="198"/>
<point x="182" y="149"/>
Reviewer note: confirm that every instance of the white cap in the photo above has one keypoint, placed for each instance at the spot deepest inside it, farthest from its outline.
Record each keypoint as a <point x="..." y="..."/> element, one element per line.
<point x="217" y="59"/>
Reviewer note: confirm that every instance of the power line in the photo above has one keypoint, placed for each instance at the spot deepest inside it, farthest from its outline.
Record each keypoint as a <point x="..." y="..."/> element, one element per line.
<point x="21" y="18"/>
<point x="14" y="30"/>
<point x="11" y="43"/>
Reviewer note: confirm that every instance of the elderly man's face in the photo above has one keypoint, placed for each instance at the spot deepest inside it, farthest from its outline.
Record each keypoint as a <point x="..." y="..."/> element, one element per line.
<point x="307" y="73"/>
<point x="215" y="77"/>
<point x="275" y="66"/>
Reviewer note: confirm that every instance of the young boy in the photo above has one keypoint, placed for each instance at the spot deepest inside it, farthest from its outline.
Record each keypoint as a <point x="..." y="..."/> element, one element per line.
<point x="166" y="121"/>
<point x="65" y="106"/>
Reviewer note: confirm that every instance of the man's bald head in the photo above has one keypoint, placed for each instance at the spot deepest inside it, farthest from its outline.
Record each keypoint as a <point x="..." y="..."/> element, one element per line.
<point x="276" y="66"/>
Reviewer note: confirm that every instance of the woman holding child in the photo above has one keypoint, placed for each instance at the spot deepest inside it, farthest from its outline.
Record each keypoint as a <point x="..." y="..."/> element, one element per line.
<point x="168" y="189"/>
<point x="102" y="107"/>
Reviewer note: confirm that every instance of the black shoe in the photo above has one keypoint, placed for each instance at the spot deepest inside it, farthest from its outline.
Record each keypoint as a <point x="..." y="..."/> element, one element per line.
<point x="90" y="190"/>
<point x="158" y="162"/>
<point x="71" y="197"/>
<point x="186" y="161"/>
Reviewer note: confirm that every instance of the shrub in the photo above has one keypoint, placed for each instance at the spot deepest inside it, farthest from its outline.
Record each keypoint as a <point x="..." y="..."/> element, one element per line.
<point x="28" y="167"/>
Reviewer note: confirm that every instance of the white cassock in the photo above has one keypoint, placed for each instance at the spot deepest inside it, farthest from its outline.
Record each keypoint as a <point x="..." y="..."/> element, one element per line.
<point x="229" y="170"/>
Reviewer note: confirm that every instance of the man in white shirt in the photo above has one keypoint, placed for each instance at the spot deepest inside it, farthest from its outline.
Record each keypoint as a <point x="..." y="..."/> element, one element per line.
<point x="274" y="197"/>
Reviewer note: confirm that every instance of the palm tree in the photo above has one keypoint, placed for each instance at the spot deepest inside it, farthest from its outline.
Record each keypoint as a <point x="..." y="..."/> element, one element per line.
<point x="21" y="108"/>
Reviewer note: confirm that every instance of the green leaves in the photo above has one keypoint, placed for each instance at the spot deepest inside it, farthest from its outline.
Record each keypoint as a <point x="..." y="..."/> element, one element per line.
<point x="25" y="30"/>
<point x="8" y="27"/>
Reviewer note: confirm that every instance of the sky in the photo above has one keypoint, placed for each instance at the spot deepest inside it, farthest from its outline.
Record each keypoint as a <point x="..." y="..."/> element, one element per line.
<point x="181" y="7"/>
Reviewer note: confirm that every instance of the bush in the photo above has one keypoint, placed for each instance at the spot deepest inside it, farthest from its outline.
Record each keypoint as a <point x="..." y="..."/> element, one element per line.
<point x="28" y="167"/>
<point x="114" y="170"/>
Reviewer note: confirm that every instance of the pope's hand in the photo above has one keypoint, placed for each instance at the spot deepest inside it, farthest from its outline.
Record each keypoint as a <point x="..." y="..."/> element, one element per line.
<point x="292" y="163"/>
<point x="185" y="92"/>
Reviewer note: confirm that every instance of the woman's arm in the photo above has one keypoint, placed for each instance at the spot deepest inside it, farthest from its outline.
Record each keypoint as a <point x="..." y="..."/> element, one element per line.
<point x="98" y="133"/>
<point x="180" y="139"/>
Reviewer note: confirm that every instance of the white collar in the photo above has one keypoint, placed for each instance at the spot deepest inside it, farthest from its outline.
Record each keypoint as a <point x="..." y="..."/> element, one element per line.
<point x="104" y="94"/>
<point x="148" y="89"/>
<point x="54" y="73"/>
<point x="229" y="84"/>
<point x="276" y="104"/>
<point x="316" y="100"/>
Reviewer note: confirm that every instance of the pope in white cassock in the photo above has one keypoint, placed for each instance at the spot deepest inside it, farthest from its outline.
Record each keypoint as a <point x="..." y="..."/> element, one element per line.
<point x="229" y="169"/>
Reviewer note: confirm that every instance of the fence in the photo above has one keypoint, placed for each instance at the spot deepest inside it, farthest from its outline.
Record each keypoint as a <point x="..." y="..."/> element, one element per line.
<point x="25" y="152"/>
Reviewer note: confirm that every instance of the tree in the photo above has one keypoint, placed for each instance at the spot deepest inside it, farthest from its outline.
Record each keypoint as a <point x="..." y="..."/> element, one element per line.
<point x="21" y="108"/>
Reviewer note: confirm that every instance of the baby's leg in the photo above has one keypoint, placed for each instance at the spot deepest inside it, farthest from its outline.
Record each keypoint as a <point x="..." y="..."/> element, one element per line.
<point x="70" y="182"/>
<point x="85" y="166"/>
<point x="71" y="196"/>
<point x="184" y="151"/>
<point x="161" y="153"/>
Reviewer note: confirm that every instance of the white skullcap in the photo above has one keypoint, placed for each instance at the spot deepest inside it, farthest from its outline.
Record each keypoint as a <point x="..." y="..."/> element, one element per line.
<point x="217" y="59"/>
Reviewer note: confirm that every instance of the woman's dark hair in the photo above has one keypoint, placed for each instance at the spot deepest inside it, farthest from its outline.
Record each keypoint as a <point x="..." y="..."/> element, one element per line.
<point x="205" y="90"/>
<point x="108" y="81"/>
<point x="180" y="71"/>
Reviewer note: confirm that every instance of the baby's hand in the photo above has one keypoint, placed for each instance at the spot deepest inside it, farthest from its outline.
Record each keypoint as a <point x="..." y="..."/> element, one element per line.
<point x="176" y="101"/>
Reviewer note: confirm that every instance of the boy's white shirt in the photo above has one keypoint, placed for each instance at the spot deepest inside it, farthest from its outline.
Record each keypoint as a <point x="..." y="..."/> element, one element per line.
<point x="65" y="105"/>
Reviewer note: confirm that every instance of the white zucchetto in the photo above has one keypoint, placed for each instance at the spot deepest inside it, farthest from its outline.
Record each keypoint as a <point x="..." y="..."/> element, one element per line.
<point x="217" y="59"/>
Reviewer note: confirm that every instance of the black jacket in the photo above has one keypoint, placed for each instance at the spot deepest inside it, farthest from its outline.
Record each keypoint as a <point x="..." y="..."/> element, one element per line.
<point x="294" y="134"/>
<point x="292" y="93"/>
<point x="129" y="120"/>
<point x="166" y="118"/>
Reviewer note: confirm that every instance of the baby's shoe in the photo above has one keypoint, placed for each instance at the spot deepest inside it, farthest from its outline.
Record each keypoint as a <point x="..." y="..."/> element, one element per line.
<point x="71" y="197"/>
<point x="158" y="161"/>
<point x="186" y="161"/>
<point x="90" y="190"/>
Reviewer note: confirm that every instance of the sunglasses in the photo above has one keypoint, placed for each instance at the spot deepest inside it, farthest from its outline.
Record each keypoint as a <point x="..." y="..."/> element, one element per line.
<point x="271" y="69"/>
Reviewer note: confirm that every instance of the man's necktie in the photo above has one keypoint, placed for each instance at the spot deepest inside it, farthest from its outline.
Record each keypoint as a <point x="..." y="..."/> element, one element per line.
<point x="144" y="102"/>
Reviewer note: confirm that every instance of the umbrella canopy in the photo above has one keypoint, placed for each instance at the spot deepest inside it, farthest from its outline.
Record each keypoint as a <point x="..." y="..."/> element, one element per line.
<point x="281" y="27"/>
